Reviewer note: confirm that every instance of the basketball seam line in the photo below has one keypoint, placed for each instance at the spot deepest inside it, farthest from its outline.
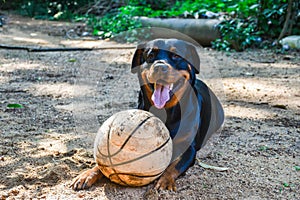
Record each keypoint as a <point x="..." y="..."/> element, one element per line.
<point x="125" y="142"/>
<point x="108" y="152"/>
<point x="126" y="162"/>
<point x="135" y="175"/>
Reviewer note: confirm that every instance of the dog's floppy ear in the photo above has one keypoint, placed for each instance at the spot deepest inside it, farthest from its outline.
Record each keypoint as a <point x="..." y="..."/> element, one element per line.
<point x="137" y="59"/>
<point x="194" y="58"/>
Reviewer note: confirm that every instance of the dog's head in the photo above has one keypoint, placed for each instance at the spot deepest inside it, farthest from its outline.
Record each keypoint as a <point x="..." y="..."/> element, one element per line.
<point x="166" y="69"/>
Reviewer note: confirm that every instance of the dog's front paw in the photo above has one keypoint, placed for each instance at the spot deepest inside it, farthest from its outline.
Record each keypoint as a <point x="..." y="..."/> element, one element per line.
<point x="86" y="179"/>
<point x="167" y="181"/>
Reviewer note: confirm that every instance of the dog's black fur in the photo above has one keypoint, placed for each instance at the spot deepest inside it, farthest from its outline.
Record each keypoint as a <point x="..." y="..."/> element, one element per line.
<point x="191" y="116"/>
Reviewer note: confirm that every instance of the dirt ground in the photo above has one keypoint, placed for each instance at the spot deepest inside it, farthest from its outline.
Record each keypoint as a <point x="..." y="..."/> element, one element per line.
<point x="66" y="95"/>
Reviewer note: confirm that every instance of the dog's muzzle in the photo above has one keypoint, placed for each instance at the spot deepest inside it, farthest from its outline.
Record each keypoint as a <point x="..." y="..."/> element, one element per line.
<point x="158" y="75"/>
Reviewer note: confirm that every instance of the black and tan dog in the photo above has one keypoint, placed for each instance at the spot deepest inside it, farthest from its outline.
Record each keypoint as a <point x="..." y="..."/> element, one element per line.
<point x="167" y="70"/>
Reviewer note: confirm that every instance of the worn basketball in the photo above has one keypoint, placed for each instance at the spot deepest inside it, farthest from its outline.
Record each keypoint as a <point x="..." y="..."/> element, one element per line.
<point x="133" y="148"/>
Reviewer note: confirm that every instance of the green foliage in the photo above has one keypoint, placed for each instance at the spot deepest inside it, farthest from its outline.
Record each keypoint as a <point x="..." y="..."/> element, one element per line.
<point x="153" y="4"/>
<point x="199" y="7"/>
<point x="72" y="60"/>
<point x="247" y="22"/>
<point x="138" y="10"/>
<point x="239" y="31"/>
<point x="252" y="23"/>
<point x="14" y="106"/>
<point x="112" y="24"/>
<point x="272" y="17"/>
<point x="238" y="34"/>
<point x="51" y="10"/>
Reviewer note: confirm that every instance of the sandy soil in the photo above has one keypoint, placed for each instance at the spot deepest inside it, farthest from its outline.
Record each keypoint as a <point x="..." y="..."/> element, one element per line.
<point x="67" y="95"/>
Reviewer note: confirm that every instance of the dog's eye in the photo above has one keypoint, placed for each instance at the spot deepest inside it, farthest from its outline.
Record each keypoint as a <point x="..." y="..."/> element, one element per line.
<point x="175" y="56"/>
<point x="150" y="57"/>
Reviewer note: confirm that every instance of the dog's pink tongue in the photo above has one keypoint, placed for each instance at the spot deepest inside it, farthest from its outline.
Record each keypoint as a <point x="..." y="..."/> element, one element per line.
<point x="161" y="95"/>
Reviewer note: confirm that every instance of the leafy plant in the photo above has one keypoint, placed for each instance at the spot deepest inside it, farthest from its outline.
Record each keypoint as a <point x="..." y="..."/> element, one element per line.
<point x="51" y="10"/>
<point x="260" y="20"/>
<point x="14" y="106"/>
<point x="286" y="184"/>
<point x="238" y="34"/>
<point x="199" y="7"/>
<point x="112" y="24"/>
<point x="272" y="17"/>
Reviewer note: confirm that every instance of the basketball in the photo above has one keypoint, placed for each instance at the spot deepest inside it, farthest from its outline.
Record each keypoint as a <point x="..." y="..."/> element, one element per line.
<point x="133" y="148"/>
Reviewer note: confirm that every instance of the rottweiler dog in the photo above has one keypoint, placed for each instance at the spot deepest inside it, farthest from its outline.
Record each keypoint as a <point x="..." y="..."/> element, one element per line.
<point x="166" y="69"/>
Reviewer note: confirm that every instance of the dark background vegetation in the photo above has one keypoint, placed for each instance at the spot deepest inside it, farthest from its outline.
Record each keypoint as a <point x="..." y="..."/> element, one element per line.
<point x="247" y="23"/>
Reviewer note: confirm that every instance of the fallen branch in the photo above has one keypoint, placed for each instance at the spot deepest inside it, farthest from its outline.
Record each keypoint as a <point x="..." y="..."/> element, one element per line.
<point x="44" y="49"/>
<point x="206" y="166"/>
<point x="287" y="20"/>
<point x="204" y="31"/>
